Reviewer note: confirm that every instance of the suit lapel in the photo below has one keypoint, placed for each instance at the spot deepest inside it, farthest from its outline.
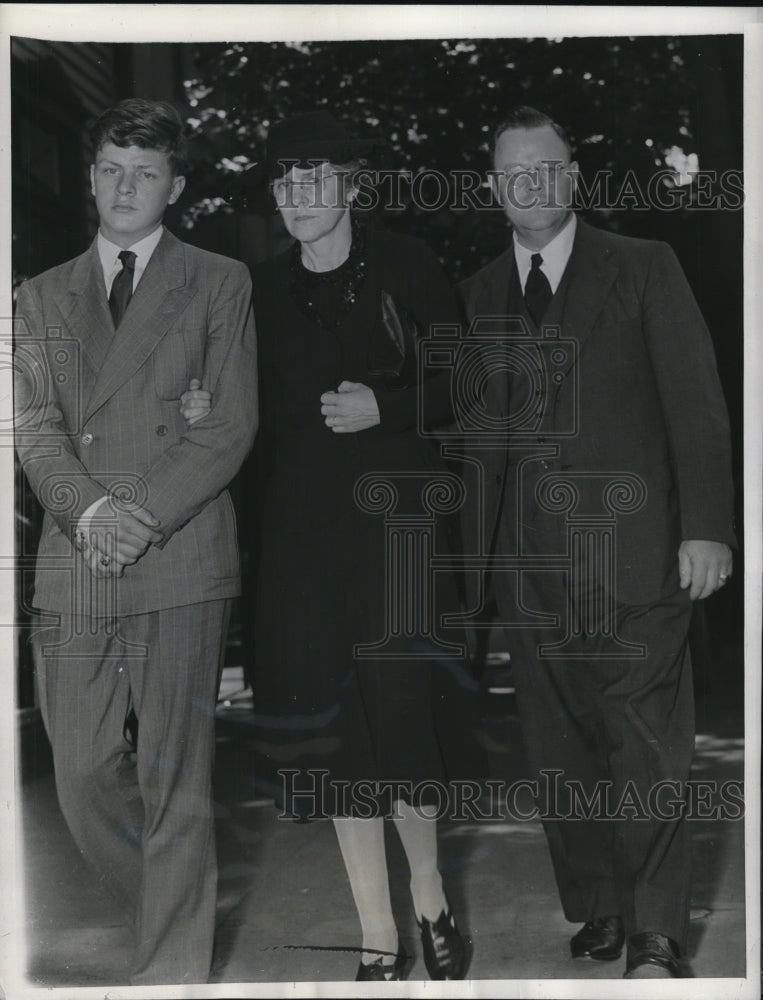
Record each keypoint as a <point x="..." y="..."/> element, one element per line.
<point x="491" y="296"/>
<point x="162" y="294"/>
<point x="85" y="311"/>
<point x="488" y="303"/>
<point x="592" y="272"/>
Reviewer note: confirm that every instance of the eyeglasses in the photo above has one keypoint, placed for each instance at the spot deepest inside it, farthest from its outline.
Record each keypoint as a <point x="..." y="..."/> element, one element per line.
<point x="531" y="174"/>
<point x="283" y="188"/>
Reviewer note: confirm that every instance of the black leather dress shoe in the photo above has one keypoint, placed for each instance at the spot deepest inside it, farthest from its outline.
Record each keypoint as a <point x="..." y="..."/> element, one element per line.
<point x="443" y="947"/>
<point x="654" y="956"/>
<point x="602" y="939"/>
<point x="381" y="971"/>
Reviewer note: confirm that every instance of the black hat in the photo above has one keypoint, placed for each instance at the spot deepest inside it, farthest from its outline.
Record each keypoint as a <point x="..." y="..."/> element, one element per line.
<point x="299" y="141"/>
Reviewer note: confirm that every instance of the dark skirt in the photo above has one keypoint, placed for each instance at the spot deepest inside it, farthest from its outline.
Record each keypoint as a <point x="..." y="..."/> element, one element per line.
<point x="343" y="730"/>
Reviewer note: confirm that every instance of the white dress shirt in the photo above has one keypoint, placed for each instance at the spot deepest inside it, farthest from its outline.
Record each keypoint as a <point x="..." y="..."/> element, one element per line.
<point x="555" y="255"/>
<point x="109" y="253"/>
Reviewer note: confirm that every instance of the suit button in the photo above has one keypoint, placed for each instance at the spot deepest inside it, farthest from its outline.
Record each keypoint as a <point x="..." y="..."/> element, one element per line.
<point x="161" y="430"/>
<point x="87" y="438"/>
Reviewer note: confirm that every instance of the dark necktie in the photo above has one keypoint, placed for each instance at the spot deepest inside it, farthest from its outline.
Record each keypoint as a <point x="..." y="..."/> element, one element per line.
<point x="538" y="292"/>
<point x="121" y="288"/>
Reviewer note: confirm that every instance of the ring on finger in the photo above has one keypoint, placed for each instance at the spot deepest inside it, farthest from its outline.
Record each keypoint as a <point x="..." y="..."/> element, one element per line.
<point x="105" y="560"/>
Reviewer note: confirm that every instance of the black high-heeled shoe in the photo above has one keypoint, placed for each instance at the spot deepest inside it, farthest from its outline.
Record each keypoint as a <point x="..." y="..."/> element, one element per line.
<point x="380" y="971"/>
<point x="443" y="947"/>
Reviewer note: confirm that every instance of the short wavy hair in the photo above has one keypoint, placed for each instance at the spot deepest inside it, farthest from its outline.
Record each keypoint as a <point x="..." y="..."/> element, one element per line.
<point x="524" y="117"/>
<point x="146" y="124"/>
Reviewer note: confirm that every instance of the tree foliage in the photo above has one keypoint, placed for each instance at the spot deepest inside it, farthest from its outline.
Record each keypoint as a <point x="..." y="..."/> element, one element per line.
<point x="624" y="101"/>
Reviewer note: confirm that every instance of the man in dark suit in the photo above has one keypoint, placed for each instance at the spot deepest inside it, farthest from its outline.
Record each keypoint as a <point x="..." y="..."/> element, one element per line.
<point x="138" y="562"/>
<point x="607" y="509"/>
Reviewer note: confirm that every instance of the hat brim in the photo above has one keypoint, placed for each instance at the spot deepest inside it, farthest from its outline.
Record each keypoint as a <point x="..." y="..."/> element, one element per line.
<point x="248" y="191"/>
<point x="307" y="152"/>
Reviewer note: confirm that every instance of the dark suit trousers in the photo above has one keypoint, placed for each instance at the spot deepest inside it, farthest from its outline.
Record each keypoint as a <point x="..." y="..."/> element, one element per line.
<point x="627" y="724"/>
<point x="141" y="809"/>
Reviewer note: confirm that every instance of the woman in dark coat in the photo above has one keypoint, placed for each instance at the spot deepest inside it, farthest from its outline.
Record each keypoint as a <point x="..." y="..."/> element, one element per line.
<point x="361" y="737"/>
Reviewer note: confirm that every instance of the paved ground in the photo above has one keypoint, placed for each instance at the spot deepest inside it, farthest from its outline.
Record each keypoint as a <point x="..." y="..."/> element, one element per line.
<point x="285" y="913"/>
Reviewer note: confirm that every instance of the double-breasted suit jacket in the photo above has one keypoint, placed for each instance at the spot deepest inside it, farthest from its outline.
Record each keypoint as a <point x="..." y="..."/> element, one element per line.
<point x="98" y="411"/>
<point x="648" y="403"/>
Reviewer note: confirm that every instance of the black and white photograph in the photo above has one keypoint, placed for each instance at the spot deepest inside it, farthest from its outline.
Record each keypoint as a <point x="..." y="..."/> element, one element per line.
<point x="381" y="457"/>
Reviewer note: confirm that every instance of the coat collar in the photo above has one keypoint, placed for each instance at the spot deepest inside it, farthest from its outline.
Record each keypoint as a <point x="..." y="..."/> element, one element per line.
<point x="114" y="357"/>
<point x="590" y="274"/>
<point x="489" y="291"/>
<point x="592" y="270"/>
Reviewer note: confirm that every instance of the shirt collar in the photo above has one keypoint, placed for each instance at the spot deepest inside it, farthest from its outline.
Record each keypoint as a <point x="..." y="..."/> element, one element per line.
<point x="555" y="255"/>
<point x="109" y="252"/>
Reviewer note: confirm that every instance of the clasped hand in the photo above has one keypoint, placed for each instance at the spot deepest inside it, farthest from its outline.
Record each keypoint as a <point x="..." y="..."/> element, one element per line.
<point x="351" y="408"/>
<point x="704" y="566"/>
<point x="117" y="537"/>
